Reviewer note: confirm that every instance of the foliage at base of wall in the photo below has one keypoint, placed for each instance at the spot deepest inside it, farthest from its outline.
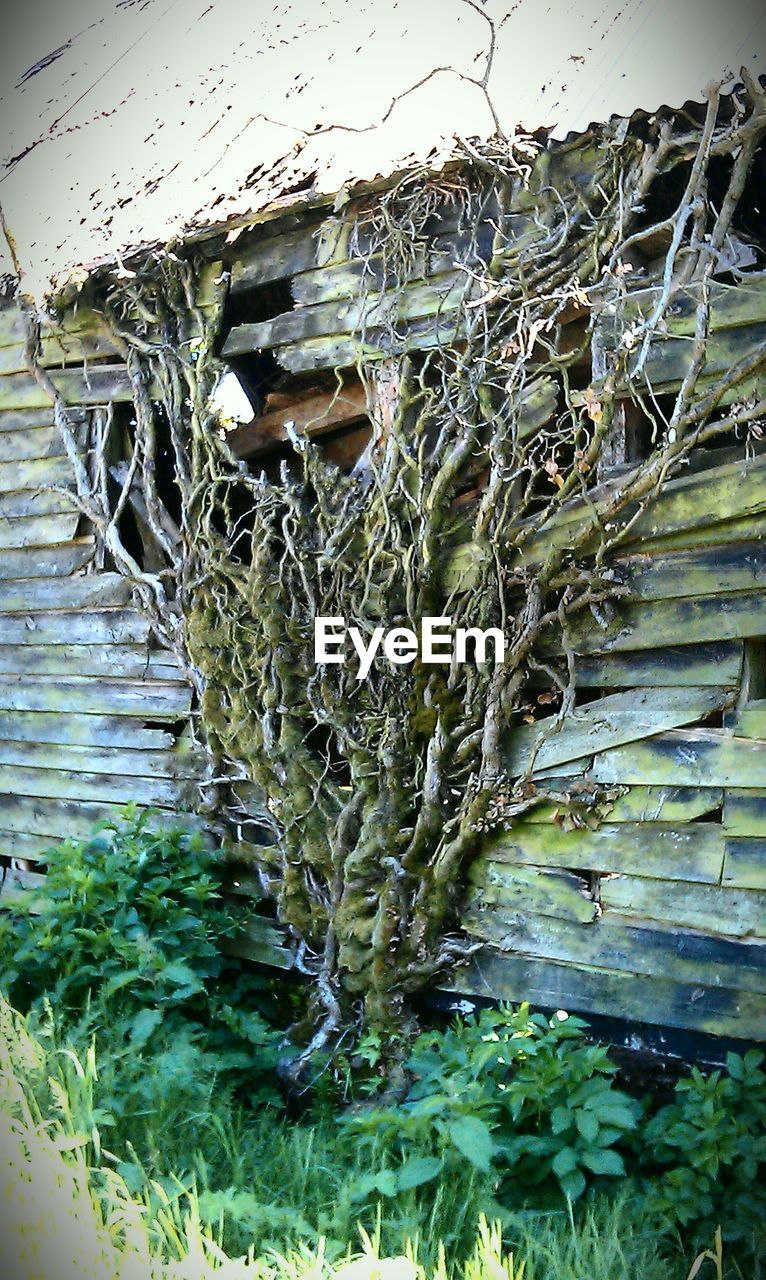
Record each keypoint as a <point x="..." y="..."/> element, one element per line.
<point x="503" y="1112"/>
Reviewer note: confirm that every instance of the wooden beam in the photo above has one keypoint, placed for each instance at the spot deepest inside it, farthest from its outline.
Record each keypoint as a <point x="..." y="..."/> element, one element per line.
<point x="311" y="416"/>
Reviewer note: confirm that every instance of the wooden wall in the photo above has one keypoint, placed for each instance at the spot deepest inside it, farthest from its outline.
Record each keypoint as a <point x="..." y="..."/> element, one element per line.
<point x="654" y="911"/>
<point x="92" y="714"/>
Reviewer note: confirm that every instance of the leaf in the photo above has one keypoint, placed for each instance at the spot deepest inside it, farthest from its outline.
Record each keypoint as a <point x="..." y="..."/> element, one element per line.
<point x="587" y="1125"/>
<point x="418" y="1170"/>
<point x="385" y="1182"/>
<point x="605" y="1163"/>
<point x="144" y="1024"/>
<point x="561" y="1119"/>
<point x="573" y="1184"/>
<point x="564" y="1162"/>
<point x="473" y="1139"/>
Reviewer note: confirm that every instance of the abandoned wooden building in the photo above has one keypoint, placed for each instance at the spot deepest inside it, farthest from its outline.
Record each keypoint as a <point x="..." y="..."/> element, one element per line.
<point x="518" y="381"/>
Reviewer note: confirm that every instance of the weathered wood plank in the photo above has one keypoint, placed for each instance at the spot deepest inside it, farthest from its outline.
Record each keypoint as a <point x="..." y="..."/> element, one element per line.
<point x="733" y="491"/>
<point x="17" y="780"/>
<point x="100" y="384"/>
<point x="38" y="531"/>
<point x="554" y="893"/>
<point x="691" y="758"/>
<point x="131" y="662"/>
<point x="149" y="700"/>
<point x="38" y="442"/>
<point x="752" y="719"/>
<point x="17" y="844"/>
<point x="715" y="1010"/>
<point x="22" y="420"/>
<point x="695" y="619"/>
<point x="609" y="721"/>
<point x="277" y="257"/>
<point x="35" y="473"/>
<point x="637" y="804"/>
<point x="115" y="761"/>
<point x="87" y="591"/>
<point x="71" y="325"/>
<point x="745" y="863"/>
<point x="712" y="909"/>
<point x="689" y="851"/>
<point x="56" y="817"/>
<point x="706" y="571"/>
<point x="730" y="307"/>
<point x="350" y="315"/>
<point x="261" y="941"/>
<point x="31" y="502"/>
<point x="104" y="626"/>
<point x="44" y="562"/>
<point x="680" y="665"/>
<point x="310" y="416"/>
<point x="345" y="351"/>
<point x="744" y="812"/>
<point x="83" y="729"/>
<point x="612" y="942"/>
<point x="58" y="348"/>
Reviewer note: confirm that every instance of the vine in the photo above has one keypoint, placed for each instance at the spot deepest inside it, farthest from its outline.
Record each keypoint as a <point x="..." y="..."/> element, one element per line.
<point x="379" y="791"/>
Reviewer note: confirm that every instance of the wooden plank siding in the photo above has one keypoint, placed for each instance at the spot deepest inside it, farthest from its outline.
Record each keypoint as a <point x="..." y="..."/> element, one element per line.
<point x="91" y="711"/>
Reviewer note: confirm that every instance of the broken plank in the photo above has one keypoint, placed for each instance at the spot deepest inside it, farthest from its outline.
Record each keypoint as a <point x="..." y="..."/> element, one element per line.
<point x="351" y="315"/>
<point x="711" y="909"/>
<point x="59" y="348"/>
<point x="103" y="626"/>
<point x="612" y="942"/>
<point x="310" y="416"/>
<point x="688" y="851"/>
<point x="42" y="562"/>
<point x="272" y="258"/>
<point x="556" y="893"/>
<point x="688" y="758"/>
<point x="17" y="780"/>
<point x="37" y="531"/>
<point x="82" y="728"/>
<point x="149" y="700"/>
<point x="633" y="997"/>
<point x="261" y="941"/>
<point x="609" y="721"/>
<point x="87" y="591"/>
<point x="637" y="804"/>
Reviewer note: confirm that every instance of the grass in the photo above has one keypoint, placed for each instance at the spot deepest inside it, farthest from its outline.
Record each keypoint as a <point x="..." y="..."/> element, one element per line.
<point x="264" y="1198"/>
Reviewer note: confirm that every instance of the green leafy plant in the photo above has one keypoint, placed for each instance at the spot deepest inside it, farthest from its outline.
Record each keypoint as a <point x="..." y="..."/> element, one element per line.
<point x="124" y="942"/>
<point x="710" y="1143"/>
<point x="512" y="1094"/>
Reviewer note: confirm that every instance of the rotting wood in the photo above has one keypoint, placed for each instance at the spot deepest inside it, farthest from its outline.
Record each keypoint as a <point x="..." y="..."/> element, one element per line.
<point x="37" y="531"/>
<point x="661" y="850"/>
<point x="147" y="700"/>
<point x="711" y="909"/>
<point x="556" y="893"/>
<point x="744" y="812"/>
<point x="108" y="662"/>
<point x="607" y="722"/>
<point x="692" y="619"/>
<point x="674" y="665"/>
<point x="35" y="472"/>
<point x="692" y="758"/>
<point x="102" y="626"/>
<point x="310" y="416"/>
<point x="49" y="561"/>
<point x="103" y="788"/>
<point x="115" y="761"/>
<point x="102" y="384"/>
<point x="51" y="594"/>
<point x="745" y="863"/>
<point x="612" y="942"/>
<point x="39" y="442"/>
<point x="71" y="727"/>
<point x="633" y="997"/>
